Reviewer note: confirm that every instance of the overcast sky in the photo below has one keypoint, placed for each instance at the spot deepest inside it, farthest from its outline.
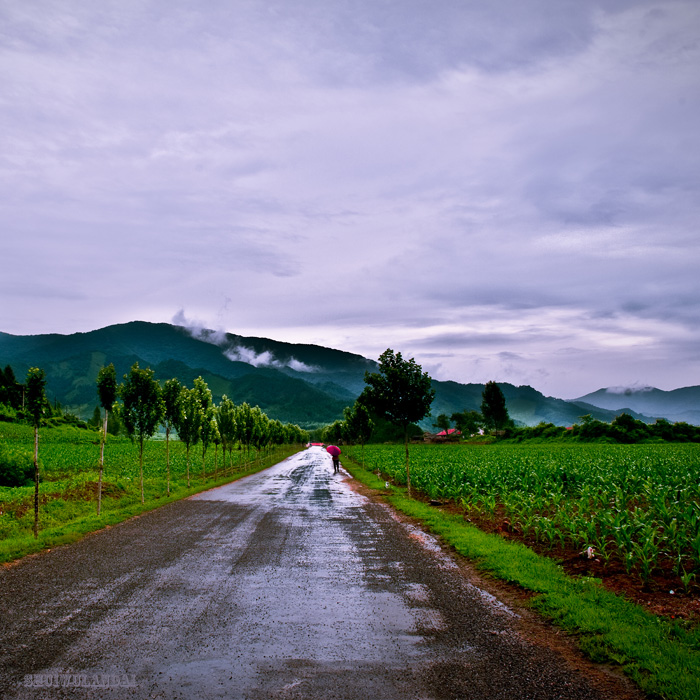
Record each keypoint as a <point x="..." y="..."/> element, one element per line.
<point x="503" y="190"/>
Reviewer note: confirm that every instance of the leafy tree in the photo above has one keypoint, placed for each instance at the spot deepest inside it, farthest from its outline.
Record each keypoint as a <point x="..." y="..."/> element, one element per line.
<point x="188" y="422"/>
<point x="400" y="392"/>
<point x="171" y="407"/>
<point x="245" y="421"/>
<point x="261" y="434"/>
<point x="277" y="433"/>
<point x="334" y="432"/>
<point x="216" y="439"/>
<point x="591" y="429"/>
<point x="663" y="429"/>
<point x="10" y="389"/>
<point x="206" y="404"/>
<point x="627" y="429"/>
<point x="96" y="419"/>
<point x="443" y="422"/>
<point x="114" y="425"/>
<point x="143" y="408"/>
<point x="467" y="422"/>
<point x="107" y="392"/>
<point x="36" y="404"/>
<point x="294" y="435"/>
<point x="228" y="430"/>
<point x="358" y="426"/>
<point x="493" y="408"/>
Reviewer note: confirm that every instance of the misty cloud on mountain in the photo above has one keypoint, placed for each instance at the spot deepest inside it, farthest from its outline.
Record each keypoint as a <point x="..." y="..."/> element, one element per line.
<point x="240" y="353"/>
<point x="237" y="352"/>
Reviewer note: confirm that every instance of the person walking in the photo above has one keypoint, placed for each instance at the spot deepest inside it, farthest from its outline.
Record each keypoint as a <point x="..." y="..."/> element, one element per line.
<point x="334" y="452"/>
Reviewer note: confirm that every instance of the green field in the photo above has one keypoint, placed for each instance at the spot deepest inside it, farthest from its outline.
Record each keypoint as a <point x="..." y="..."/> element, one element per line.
<point x="637" y="504"/>
<point x="69" y="460"/>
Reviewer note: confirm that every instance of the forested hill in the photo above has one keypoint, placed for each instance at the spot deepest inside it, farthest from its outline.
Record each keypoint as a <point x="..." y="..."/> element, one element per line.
<point x="676" y="405"/>
<point x="304" y="384"/>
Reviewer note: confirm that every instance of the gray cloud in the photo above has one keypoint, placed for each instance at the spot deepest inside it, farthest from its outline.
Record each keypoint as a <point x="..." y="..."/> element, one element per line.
<point x="456" y="180"/>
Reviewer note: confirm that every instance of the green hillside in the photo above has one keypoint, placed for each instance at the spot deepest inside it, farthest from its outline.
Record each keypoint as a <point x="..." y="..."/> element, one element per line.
<point x="297" y="383"/>
<point x="308" y="398"/>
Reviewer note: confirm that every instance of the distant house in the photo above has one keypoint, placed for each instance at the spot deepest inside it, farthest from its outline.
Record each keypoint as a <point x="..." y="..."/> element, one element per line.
<point x="451" y="435"/>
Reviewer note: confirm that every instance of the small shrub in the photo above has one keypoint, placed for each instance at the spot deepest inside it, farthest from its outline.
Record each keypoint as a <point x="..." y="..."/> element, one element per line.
<point x="7" y="413"/>
<point x="16" y="467"/>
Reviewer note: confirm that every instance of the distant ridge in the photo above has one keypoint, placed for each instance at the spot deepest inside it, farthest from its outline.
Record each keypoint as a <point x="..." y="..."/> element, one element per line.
<point x="298" y="383"/>
<point x="678" y="405"/>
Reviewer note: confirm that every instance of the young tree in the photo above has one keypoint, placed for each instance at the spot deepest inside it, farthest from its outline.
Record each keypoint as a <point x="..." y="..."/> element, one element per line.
<point x="400" y="392"/>
<point x="277" y="433"/>
<point x="188" y="422"/>
<point x="206" y="404"/>
<point x="493" y="407"/>
<point x="468" y="422"/>
<point x="143" y="408"/>
<point x="216" y="439"/>
<point x="245" y="422"/>
<point x="36" y="406"/>
<point x="96" y="419"/>
<point x="358" y="426"/>
<point x="114" y="424"/>
<point x="171" y="407"/>
<point x="107" y="392"/>
<point x="334" y="432"/>
<point x="10" y="389"/>
<point x="226" y="419"/>
<point x="261" y="433"/>
<point x="294" y="435"/>
<point x="443" y="422"/>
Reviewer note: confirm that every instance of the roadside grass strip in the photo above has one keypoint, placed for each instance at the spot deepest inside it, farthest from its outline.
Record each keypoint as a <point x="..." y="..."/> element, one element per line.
<point x="661" y="656"/>
<point x="12" y="548"/>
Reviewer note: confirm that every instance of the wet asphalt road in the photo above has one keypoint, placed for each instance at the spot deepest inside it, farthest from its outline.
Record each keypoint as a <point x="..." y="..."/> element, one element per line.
<point x="285" y="584"/>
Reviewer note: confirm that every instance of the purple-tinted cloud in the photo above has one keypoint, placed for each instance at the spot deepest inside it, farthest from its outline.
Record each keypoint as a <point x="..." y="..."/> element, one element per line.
<point x="503" y="190"/>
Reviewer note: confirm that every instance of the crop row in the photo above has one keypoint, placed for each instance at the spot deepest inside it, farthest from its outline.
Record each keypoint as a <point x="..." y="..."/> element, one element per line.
<point x="639" y="504"/>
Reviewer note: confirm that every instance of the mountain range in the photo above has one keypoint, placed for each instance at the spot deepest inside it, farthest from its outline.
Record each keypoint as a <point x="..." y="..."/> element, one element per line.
<point x="304" y="384"/>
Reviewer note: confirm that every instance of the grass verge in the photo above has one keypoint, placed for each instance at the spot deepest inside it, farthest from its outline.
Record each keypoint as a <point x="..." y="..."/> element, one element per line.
<point x="13" y="548"/>
<point x="661" y="656"/>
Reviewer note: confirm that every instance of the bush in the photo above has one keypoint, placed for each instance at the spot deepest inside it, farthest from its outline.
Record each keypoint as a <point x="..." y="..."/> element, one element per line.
<point x="7" y="413"/>
<point x="16" y="467"/>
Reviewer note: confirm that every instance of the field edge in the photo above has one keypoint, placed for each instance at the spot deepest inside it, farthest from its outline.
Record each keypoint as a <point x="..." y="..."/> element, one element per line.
<point x="662" y="657"/>
<point x="13" y="550"/>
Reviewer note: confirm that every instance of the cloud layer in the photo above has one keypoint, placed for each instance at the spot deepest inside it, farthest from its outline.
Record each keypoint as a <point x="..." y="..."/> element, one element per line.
<point x="503" y="190"/>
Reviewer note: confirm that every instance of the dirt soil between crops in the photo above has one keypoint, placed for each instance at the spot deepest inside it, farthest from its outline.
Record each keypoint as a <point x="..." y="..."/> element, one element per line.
<point x="663" y="594"/>
<point x="291" y="583"/>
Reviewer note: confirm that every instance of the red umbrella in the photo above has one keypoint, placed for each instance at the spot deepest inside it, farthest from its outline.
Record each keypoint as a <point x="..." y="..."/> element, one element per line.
<point x="333" y="450"/>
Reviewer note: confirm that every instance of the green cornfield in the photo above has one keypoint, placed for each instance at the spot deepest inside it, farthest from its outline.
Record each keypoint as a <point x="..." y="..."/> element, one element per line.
<point x="639" y="504"/>
<point x="69" y="463"/>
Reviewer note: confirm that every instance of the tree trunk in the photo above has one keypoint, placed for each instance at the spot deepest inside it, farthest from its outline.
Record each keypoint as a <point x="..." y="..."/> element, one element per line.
<point x="408" y="472"/>
<point x="143" y="500"/>
<point x="36" y="481"/>
<point x="102" y="464"/>
<point x="167" y="456"/>
<point x="188" y="465"/>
